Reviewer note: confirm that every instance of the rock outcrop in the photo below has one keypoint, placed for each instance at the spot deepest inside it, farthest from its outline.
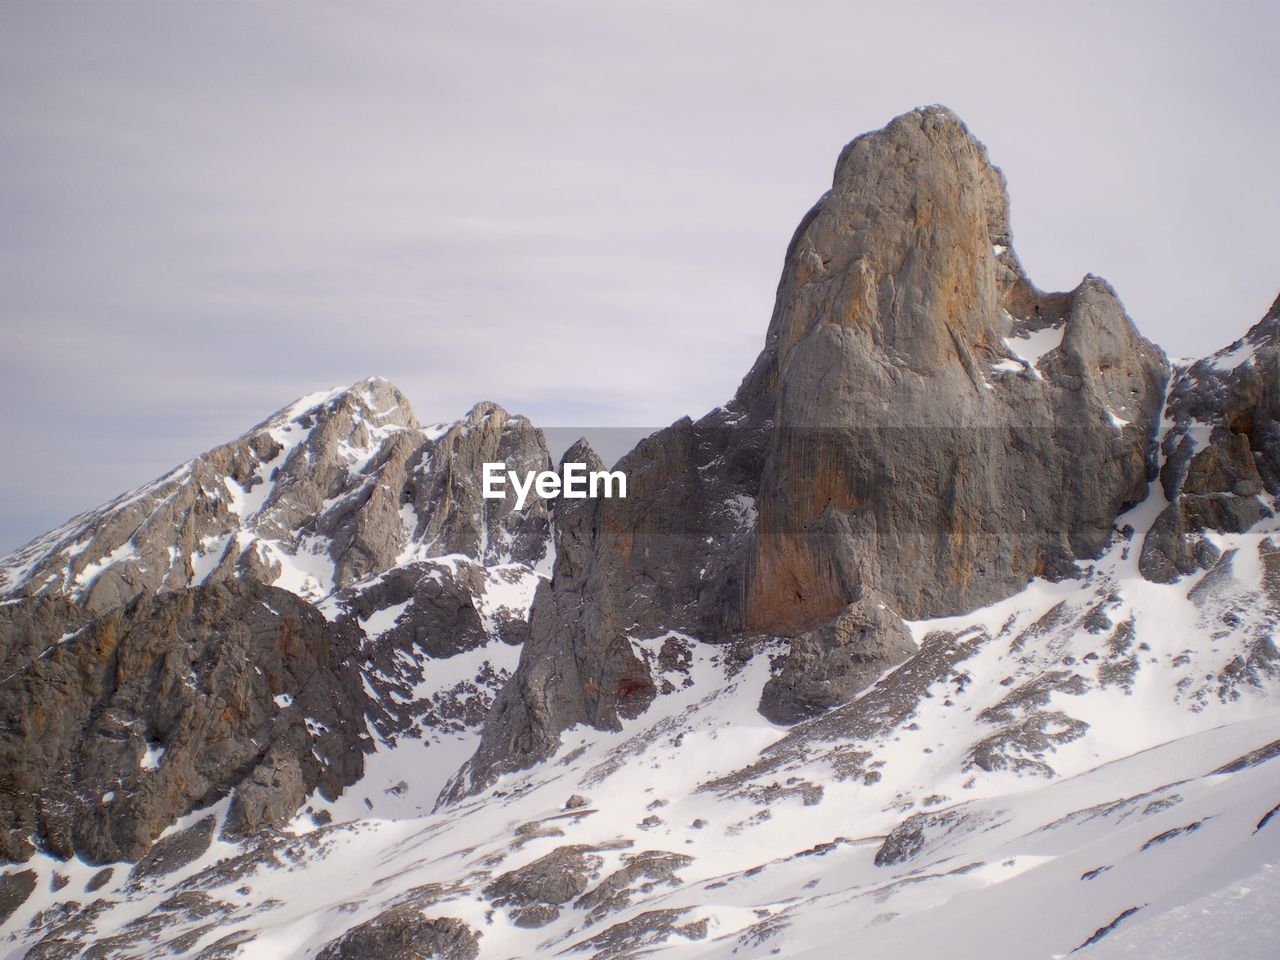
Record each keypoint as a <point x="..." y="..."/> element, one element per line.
<point x="552" y="682"/>
<point x="922" y="422"/>
<point x="1222" y="450"/>
<point x="403" y="933"/>
<point x="536" y="892"/>
<point x="828" y="665"/>
<point x="922" y="447"/>
<point x="147" y="629"/>
<point x="431" y="610"/>
<point x="113" y="727"/>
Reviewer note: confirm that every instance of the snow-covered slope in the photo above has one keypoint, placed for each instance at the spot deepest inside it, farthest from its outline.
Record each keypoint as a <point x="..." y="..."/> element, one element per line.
<point x="1084" y="766"/>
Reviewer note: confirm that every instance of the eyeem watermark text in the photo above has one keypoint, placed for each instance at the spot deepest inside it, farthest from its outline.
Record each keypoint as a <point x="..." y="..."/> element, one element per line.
<point x="577" y="483"/>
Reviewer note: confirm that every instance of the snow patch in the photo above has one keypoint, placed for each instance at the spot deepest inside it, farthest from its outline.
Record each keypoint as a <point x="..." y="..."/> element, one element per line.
<point x="1032" y="346"/>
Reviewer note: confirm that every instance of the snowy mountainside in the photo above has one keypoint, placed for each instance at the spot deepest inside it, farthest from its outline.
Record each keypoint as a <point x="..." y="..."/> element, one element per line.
<point x="1008" y="580"/>
<point x="434" y="663"/>
<point x="1060" y="771"/>
<point x="337" y="487"/>
<point x="257" y="623"/>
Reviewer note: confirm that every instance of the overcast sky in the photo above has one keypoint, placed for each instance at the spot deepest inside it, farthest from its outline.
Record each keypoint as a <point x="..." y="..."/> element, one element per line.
<point x="576" y="209"/>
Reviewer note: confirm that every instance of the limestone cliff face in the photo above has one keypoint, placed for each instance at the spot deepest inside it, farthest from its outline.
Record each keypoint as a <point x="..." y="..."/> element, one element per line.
<point x="111" y="727"/>
<point x="168" y="650"/>
<point x="666" y="557"/>
<point x="915" y="448"/>
<point x="922" y="423"/>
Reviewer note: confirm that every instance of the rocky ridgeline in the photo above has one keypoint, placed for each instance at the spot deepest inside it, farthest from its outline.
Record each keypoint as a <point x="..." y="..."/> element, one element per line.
<point x="332" y="490"/>
<point x="1220" y="451"/>
<point x="165" y="651"/>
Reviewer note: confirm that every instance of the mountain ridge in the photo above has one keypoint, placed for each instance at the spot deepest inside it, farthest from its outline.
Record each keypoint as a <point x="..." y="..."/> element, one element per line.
<point x="962" y="610"/>
<point x="279" y="484"/>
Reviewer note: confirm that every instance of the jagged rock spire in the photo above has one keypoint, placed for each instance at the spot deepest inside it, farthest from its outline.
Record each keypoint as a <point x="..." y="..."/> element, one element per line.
<point x="922" y="422"/>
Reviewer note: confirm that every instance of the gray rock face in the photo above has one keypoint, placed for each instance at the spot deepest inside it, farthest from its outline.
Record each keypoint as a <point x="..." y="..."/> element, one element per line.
<point x="610" y="680"/>
<point x="614" y="892"/>
<point x="342" y="499"/>
<point x="922" y="447"/>
<point x="111" y="728"/>
<point x="15" y="888"/>
<point x="403" y="933"/>
<point x="439" y="615"/>
<point x="827" y="666"/>
<point x="922" y="422"/>
<point x="536" y="892"/>
<point x="176" y="850"/>
<point x="641" y="934"/>
<point x="425" y="611"/>
<point x="330" y="490"/>
<point x="1221" y="451"/>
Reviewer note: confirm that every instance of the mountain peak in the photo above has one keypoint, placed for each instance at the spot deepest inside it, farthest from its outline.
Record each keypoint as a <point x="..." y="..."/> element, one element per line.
<point x="581" y="451"/>
<point x="881" y="445"/>
<point x="338" y="485"/>
<point x="905" y="249"/>
<point x="915" y="134"/>
<point x="374" y="397"/>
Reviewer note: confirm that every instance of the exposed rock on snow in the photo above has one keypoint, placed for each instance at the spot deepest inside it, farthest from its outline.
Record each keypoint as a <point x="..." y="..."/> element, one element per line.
<point x="828" y="666"/>
<point x="148" y="617"/>
<point x="404" y="933"/>
<point x="536" y="892"/>
<point x="1221" y="451"/>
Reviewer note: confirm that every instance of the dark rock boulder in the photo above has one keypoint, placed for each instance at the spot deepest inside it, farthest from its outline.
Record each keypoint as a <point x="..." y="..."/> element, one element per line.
<point x="15" y="888"/>
<point x="642" y="934"/>
<point x="176" y="851"/>
<point x="918" y="832"/>
<point x="126" y="722"/>
<point x="535" y="892"/>
<point x="403" y="933"/>
<point x="904" y="841"/>
<point x="828" y="666"/>
<point x="641" y="872"/>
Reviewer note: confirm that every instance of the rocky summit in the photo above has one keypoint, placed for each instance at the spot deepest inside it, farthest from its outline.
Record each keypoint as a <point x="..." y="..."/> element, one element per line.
<point x="953" y="631"/>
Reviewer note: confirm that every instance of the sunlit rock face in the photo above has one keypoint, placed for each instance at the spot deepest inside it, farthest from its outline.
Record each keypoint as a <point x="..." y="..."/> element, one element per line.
<point x="922" y="423"/>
